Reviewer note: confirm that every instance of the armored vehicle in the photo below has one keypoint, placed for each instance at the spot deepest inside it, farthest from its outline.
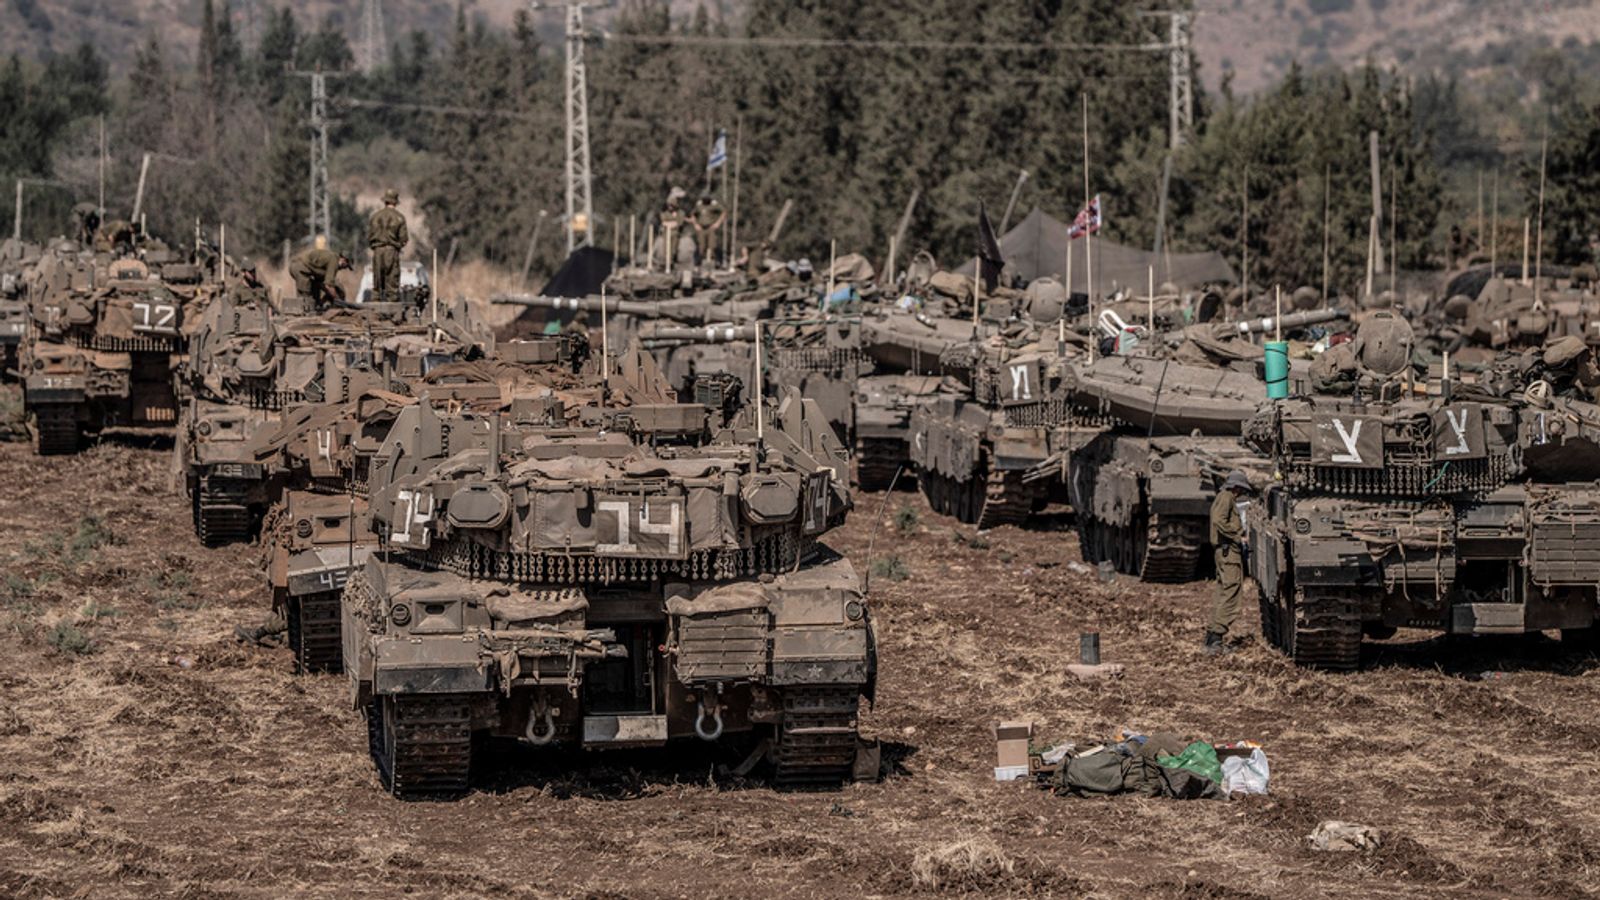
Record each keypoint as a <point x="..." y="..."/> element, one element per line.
<point x="1405" y="505"/>
<point x="16" y="258"/>
<point x="251" y="361"/>
<point x="628" y="576"/>
<point x="1141" y="490"/>
<point x="992" y="449"/>
<point x="314" y="534"/>
<point x="102" y="343"/>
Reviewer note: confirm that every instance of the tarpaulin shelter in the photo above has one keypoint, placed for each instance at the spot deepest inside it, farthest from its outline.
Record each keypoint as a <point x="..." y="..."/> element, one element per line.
<point x="585" y="270"/>
<point x="1037" y="246"/>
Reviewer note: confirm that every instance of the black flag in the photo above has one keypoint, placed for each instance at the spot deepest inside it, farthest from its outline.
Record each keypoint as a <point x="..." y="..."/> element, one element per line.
<point x="990" y="261"/>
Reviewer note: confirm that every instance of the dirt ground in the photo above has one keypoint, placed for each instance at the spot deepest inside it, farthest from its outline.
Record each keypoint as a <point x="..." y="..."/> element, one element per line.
<point x="143" y="752"/>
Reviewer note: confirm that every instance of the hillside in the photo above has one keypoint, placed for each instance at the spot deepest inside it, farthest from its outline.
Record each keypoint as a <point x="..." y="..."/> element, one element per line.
<point x="1257" y="40"/>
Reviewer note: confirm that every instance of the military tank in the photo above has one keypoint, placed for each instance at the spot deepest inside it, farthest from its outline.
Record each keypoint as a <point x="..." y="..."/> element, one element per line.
<point x="314" y="535"/>
<point x="16" y="258"/>
<point x="1141" y="489"/>
<point x="250" y="362"/>
<point x="103" y="339"/>
<point x="1399" y="504"/>
<point x="636" y="578"/>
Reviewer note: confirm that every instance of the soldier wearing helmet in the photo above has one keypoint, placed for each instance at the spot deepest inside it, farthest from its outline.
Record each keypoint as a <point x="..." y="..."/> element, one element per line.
<point x="1227" y="541"/>
<point x="708" y="218"/>
<point x="386" y="237"/>
<point x="316" y="275"/>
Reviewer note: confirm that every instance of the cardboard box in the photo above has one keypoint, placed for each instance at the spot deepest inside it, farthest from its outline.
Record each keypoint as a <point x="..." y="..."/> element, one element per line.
<point x="1011" y="750"/>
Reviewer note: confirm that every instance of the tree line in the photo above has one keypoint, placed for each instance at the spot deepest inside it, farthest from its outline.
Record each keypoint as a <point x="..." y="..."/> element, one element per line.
<point x="947" y="100"/>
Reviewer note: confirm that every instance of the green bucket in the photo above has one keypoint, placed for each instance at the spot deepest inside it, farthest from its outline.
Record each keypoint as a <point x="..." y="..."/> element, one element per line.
<point x="1277" y="369"/>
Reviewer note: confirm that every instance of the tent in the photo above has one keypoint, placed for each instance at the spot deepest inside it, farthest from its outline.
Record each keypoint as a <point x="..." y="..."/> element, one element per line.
<point x="585" y="270"/>
<point x="1037" y="246"/>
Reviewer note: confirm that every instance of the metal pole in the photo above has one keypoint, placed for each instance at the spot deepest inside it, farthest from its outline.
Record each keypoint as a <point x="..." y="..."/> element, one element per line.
<point x="138" y="194"/>
<point x="1538" y="259"/>
<point x="1327" y="188"/>
<point x="102" y="167"/>
<point x="1494" y="225"/>
<point x="738" y="160"/>
<point x="1161" y="205"/>
<point x="633" y="223"/>
<point x="1377" y="203"/>
<point x="16" y="221"/>
<point x="533" y="242"/>
<point x="1011" y="204"/>
<point x="1088" y="237"/>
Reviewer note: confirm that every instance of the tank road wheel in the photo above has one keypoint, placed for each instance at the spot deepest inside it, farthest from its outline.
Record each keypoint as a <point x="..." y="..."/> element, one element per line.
<point x="222" y="512"/>
<point x="421" y="744"/>
<point x="817" y="738"/>
<point x="55" y="429"/>
<point x="876" y="462"/>
<point x="1322" y="629"/>
<point x="315" y="635"/>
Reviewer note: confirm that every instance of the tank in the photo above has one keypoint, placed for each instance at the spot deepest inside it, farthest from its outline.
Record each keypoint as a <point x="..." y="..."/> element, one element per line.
<point x="1408" y="504"/>
<point x="16" y="258"/>
<point x="104" y="337"/>
<point x="314" y="533"/>
<point x="992" y="449"/>
<point x="631" y="576"/>
<point x="1174" y="408"/>
<point x="251" y="362"/>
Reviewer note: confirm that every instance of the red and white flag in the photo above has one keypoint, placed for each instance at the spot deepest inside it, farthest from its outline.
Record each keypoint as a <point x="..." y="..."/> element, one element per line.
<point x="1087" y="222"/>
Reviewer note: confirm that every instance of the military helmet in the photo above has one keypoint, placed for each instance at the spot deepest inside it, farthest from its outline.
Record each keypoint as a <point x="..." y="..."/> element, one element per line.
<point x="1383" y="343"/>
<point x="1563" y="351"/>
<point x="1236" y="480"/>
<point x="246" y="264"/>
<point x="391" y="196"/>
<point x="1458" y="307"/>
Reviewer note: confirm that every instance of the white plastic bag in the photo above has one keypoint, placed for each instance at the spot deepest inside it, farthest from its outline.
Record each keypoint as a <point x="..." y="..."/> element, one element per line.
<point x="1245" y="774"/>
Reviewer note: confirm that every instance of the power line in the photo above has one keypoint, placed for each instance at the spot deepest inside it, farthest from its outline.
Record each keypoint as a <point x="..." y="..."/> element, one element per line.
<point x="695" y="40"/>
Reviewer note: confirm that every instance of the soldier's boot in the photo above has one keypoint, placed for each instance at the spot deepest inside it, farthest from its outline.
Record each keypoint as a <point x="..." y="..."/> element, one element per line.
<point x="1215" y="645"/>
<point x="268" y="634"/>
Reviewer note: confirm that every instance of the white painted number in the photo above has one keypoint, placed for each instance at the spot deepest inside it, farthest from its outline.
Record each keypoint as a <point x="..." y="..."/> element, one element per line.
<point x="154" y="316"/>
<point x="1460" y="428"/>
<point x="412" y="508"/>
<point x="1350" y="437"/>
<point x="1020" y="387"/>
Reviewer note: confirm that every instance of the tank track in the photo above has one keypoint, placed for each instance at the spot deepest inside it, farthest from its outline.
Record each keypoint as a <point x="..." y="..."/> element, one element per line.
<point x="1321" y="631"/>
<point x="315" y="635"/>
<point x="1172" y="550"/>
<point x="55" y="429"/>
<point x="1007" y="500"/>
<point x="817" y="738"/>
<point x="421" y="744"/>
<point x="222" y="513"/>
<point x="876" y="462"/>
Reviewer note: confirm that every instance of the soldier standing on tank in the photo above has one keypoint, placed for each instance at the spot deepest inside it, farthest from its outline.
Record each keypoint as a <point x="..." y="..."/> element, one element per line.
<point x="87" y="216"/>
<point x="386" y="236"/>
<point x="673" y="223"/>
<point x="708" y="218"/>
<point x="1227" y="539"/>
<point x="316" y="275"/>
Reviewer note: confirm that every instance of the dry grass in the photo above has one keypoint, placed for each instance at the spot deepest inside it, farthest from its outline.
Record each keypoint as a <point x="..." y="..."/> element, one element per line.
<point x="976" y="863"/>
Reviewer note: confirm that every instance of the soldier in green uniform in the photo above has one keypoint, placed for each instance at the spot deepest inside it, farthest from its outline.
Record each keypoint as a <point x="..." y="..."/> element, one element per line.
<point x="1227" y="537"/>
<point x="316" y="275"/>
<point x="708" y="217"/>
<point x="87" y="215"/>
<point x="386" y="236"/>
<point x="673" y="224"/>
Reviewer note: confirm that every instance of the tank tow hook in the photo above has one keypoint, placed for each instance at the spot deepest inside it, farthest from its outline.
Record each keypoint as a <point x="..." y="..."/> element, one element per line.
<point x="541" y="710"/>
<point x="708" y="704"/>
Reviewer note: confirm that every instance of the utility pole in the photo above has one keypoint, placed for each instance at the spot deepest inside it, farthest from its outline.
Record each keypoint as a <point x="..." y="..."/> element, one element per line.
<point x="373" y="41"/>
<point x="1180" y="73"/>
<point x="580" y="202"/>
<point x="319" y="220"/>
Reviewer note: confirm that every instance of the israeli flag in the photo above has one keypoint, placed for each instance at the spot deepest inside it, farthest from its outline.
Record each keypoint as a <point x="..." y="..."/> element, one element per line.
<point x="719" y="152"/>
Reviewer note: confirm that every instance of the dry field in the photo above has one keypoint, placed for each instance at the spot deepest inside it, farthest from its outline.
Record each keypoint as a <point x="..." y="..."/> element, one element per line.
<point x="144" y="753"/>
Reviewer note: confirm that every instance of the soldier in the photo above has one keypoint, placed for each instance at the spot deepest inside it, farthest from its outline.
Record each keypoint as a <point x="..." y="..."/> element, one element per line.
<point x="114" y="236"/>
<point x="672" y="224"/>
<point x="1571" y="368"/>
<point x="708" y="217"/>
<point x="87" y="216"/>
<point x="386" y="236"/>
<point x="1227" y="537"/>
<point x="316" y="275"/>
<point x="268" y="634"/>
<point x="249" y="281"/>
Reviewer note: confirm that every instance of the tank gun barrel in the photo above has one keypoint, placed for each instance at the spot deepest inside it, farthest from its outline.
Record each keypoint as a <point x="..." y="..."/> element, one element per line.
<point x="612" y="305"/>
<point x="691" y="334"/>
<point x="1290" y="321"/>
